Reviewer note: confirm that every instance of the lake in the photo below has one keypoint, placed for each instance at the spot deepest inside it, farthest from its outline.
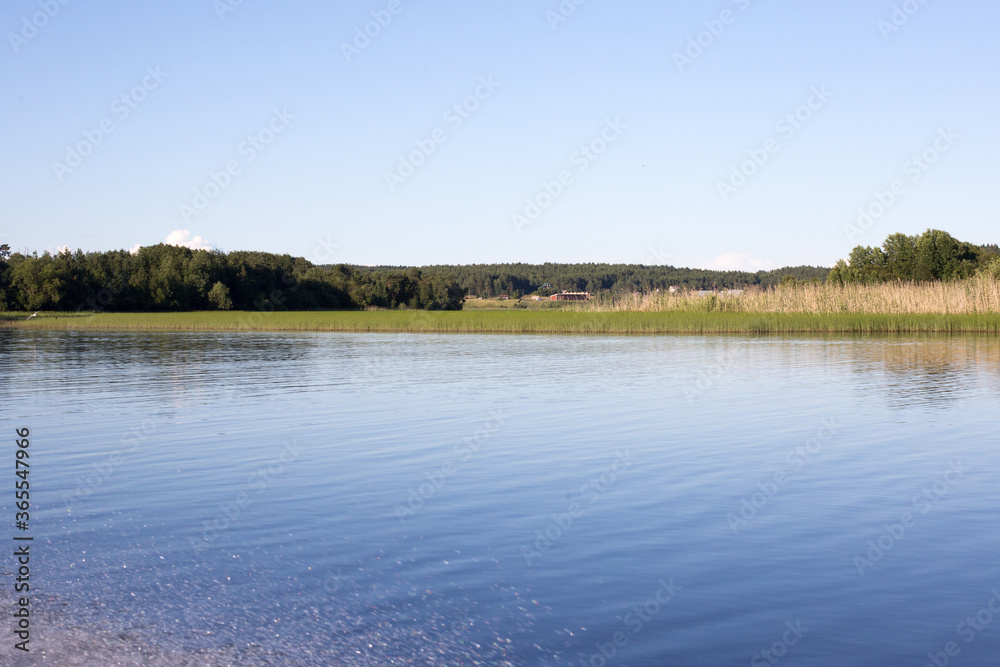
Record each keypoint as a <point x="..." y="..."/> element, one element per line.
<point x="342" y="499"/>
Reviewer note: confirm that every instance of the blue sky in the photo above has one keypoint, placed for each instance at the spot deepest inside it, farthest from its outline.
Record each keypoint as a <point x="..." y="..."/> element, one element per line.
<point x="599" y="132"/>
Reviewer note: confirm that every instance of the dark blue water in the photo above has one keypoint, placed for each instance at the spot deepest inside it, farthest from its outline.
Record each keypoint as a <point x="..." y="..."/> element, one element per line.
<point x="324" y="499"/>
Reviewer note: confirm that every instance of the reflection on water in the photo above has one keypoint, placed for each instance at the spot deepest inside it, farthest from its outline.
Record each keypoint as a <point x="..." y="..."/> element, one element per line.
<point x="173" y="525"/>
<point x="933" y="371"/>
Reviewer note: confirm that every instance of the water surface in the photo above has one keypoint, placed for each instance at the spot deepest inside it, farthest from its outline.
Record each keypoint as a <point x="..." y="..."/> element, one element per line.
<point x="328" y="499"/>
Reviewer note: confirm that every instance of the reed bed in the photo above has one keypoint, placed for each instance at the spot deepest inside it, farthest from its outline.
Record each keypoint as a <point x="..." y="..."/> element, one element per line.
<point x="971" y="305"/>
<point x="977" y="295"/>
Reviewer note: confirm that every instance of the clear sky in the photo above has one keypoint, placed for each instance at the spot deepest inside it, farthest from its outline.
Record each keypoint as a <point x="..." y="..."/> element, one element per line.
<point x="597" y="132"/>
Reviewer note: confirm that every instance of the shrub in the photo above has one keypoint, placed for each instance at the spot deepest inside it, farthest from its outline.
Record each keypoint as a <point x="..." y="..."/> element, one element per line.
<point x="991" y="269"/>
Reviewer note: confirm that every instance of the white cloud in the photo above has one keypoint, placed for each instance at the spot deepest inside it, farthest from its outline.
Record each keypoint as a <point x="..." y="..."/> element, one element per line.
<point x="182" y="237"/>
<point x="734" y="261"/>
<point x="58" y="250"/>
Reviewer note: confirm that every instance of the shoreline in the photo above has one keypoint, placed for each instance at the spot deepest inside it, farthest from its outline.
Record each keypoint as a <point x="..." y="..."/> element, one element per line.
<point x="512" y="322"/>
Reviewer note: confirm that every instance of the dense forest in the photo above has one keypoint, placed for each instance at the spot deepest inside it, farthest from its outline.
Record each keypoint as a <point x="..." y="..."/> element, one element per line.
<point x="172" y="278"/>
<point x="489" y="280"/>
<point x="933" y="255"/>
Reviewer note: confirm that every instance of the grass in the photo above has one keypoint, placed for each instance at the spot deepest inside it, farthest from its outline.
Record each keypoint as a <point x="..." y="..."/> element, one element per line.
<point x="969" y="306"/>
<point x="496" y="304"/>
<point x="519" y="321"/>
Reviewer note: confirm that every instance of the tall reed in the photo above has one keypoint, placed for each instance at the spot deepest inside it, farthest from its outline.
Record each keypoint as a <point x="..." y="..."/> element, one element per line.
<point x="977" y="295"/>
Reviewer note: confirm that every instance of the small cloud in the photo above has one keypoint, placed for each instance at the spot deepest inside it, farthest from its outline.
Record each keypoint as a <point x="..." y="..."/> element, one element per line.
<point x="182" y="237"/>
<point x="58" y="250"/>
<point x="135" y="248"/>
<point x="734" y="261"/>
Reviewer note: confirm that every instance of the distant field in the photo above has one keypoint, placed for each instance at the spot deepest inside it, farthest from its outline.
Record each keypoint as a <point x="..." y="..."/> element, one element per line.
<point x="515" y="304"/>
<point x="514" y="321"/>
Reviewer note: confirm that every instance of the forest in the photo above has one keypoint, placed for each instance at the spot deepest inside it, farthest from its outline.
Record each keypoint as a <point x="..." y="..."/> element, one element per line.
<point x="164" y="278"/>
<point x="172" y="278"/>
<point x="515" y="280"/>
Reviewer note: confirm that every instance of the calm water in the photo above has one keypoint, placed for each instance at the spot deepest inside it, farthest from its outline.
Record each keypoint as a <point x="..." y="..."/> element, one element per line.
<point x="324" y="499"/>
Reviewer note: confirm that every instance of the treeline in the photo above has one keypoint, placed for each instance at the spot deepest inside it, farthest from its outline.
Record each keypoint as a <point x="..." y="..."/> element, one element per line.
<point x="933" y="255"/>
<point x="171" y="278"/>
<point x="490" y="280"/>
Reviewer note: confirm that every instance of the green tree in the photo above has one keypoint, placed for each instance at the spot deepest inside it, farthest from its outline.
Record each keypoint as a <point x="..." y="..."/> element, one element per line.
<point x="991" y="268"/>
<point x="841" y="274"/>
<point x="940" y="256"/>
<point x="900" y="253"/>
<point x="36" y="282"/>
<point x="4" y="280"/>
<point x="219" y="297"/>
<point x="868" y="265"/>
<point x="934" y="255"/>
